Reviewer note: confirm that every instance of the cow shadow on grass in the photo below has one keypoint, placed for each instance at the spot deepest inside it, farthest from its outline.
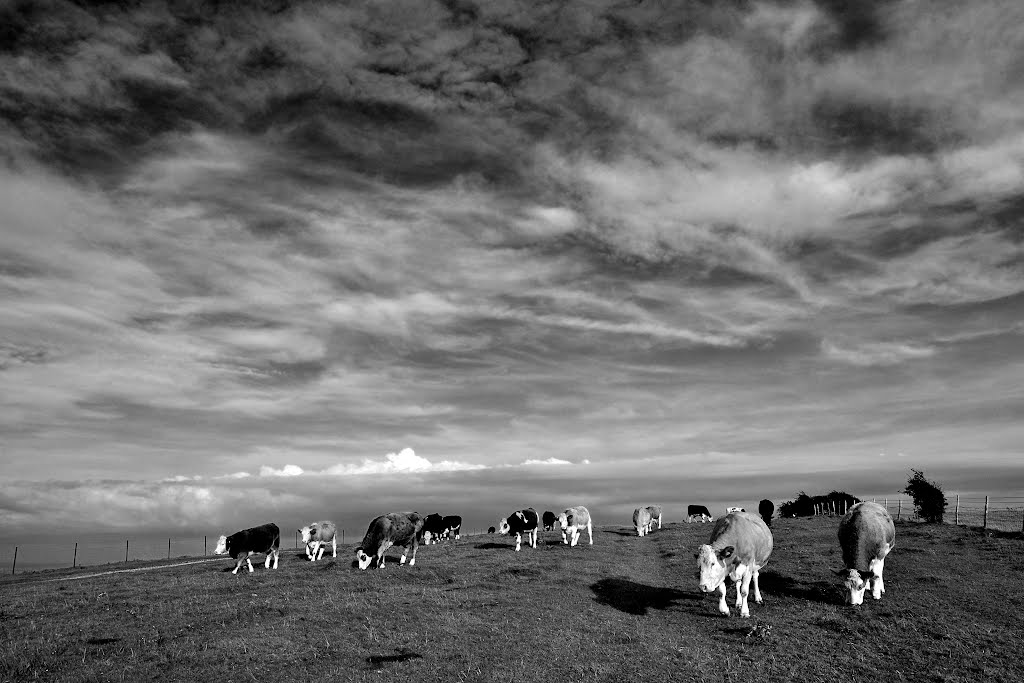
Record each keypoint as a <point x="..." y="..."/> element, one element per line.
<point x="636" y="598"/>
<point x="825" y="592"/>
<point x="494" y="546"/>
<point x="402" y="655"/>
<point x="630" y="532"/>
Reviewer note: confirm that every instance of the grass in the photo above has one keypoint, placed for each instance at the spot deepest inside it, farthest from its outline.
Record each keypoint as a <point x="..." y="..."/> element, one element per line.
<point x="625" y="608"/>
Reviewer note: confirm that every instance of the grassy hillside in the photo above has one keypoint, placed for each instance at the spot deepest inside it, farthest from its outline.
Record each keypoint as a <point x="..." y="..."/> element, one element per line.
<point x="625" y="608"/>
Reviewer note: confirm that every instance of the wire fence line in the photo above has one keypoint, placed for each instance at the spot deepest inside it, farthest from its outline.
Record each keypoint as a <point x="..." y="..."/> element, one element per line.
<point x="998" y="513"/>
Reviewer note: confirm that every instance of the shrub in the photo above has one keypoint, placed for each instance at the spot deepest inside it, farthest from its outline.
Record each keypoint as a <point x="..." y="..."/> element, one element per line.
<point x="929" y="500"/>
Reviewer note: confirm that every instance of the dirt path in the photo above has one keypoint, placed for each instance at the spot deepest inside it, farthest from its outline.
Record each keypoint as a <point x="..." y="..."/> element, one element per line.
<point x="122" y="571"/>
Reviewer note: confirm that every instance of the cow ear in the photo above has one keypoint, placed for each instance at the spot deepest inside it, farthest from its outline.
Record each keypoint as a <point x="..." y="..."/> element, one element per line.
<point x="726" y="552"/>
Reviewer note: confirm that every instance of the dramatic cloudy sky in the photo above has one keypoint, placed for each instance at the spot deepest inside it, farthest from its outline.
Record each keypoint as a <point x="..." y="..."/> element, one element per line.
<point x="272" y="260"/>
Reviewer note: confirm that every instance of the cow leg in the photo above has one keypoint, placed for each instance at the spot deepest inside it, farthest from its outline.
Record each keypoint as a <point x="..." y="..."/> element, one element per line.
<point x="590" y="532"/>
<point x="311" y="550"/>
<point x="722" y="606"/>
<point x="238" y="565"/>
<point x="533" y="536"/>
<point x="412" y="560"/>
<point x="877" y="585"/>
<point x="248" y="562"/>
<point x="743" y="591"/>
<point x="757" y="589"/>
<point x="519" y="540"/>
<point x="659" y="521"/>
<point x="334" y="547"/>
<point x="277" y="552"/>
<point x="323" y="549"/>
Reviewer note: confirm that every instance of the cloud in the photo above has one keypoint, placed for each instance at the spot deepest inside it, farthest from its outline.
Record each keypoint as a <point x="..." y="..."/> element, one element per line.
<point x="286" y="471"/>
<point x="876" y="354"/>
<point x="547" y="461"/>
<point x="404" y="462"/>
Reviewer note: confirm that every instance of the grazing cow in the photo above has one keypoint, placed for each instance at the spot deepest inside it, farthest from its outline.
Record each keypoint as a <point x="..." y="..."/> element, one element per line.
<point x="642" y="521"/>
<point x="766" y="509"/>
<point x="402" y="529"/>
<point x="316" y="536"/>
<point x="549" y="520"/>
<point x="491" y="529"/>
<point x="699" y="511"/>
<point x="433" y="527"/>
<point x="572" y="522"/>
<point x="731" y="510"/>
<point x="452" y="526"/>
<point x="519" y="523"/>
<point x="258" y="539"/>
<point x="739" y="547"/>
<point x="866" y="535"/>
<point x="655" y="511"/>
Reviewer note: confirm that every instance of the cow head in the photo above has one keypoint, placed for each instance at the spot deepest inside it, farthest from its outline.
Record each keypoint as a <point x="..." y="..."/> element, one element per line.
<point x="854" y="585"/>
<point x="362" y="559"/>
<point x="503" y="526"/>
<point x="222" y="546"/>
<point x="307" y="533"/>
<point x="713" y="566"/>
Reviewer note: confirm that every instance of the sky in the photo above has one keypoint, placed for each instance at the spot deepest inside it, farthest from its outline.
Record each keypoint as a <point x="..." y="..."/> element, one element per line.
<point x="285" y="261"/>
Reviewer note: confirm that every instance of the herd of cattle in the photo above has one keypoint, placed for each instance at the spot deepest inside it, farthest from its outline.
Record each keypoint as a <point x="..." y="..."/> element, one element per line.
<point x="739" y="546"/>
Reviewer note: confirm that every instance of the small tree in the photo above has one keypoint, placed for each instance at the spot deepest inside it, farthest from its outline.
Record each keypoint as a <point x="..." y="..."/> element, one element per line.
<point x="929" y="500"/>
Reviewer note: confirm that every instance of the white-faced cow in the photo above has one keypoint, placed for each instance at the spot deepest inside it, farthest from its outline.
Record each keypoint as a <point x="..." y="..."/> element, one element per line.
<point x="866" y="535"/>
<point x="242" y="544"/>
<point x="699" y="512"/>
<point x="549" y="520"/>
<point x="452" y="526"/>
<point x="655" y="511"/>
<point x="401" y="529"/>
<point x="316" y="536"/>
<point x="573" y="521"/>
<point x="739" y="547"/>
<point x="433" y="527"/>
<point x="519" y="523"/>
<point x="642" y="521"/>
<point x="766" y="509"/>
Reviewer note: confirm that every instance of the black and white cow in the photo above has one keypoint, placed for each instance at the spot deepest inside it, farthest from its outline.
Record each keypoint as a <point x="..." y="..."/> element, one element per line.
<point x="433" y="527"/>
<point x="866" y="535"/>
<point x="766" y="509"/>
<point x="573" y="521"/>
<point x="242" y="544"/>
<point x="519" y="523"/>
<point x="401" y="529"/>
<point x="549" y="520"/>
<point x="698" y="512"/>
<point x="316" y="536"/>
<point x="739" y="547"/>
<point x="452" y="526"/>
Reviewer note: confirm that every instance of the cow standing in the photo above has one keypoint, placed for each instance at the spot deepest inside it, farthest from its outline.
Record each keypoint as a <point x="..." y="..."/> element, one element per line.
<point x="452" y="526"/>
<point x="549" y="520"/>
<point x="258" y="539"/>
<point x="316" y="536"/>
<point x="642" y="521"/>
<point x="519" y="523"/>
<point x="433" y="527"/>
<point x="655" y="512"/>
<point x="573" y="520"/>
<point x="700" y="512"/>
<point x="739" y="547"/>
<point x="766" y="509"/>
<point x="401" y="529"/>
<point x="866" y="535"/>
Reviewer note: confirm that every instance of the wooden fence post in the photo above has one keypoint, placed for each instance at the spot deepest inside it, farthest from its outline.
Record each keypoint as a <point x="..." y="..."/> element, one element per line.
<point x="984" y="520"/>
<point x="343" y="537"/>
<point x="886" y="504"/>
<point x="15" y="563"/>
<point x="126" y="550"/>
<point x="168" y="548"/>
<point x="899" y="510"/>
<point x="204" y="546"/>
<point x="74" y="560"/>
<point x="956" y="511"/>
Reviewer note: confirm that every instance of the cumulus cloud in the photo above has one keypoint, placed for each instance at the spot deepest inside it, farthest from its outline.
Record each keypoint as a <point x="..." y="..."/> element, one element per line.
<point x="404" y="462"/>
<point x="286" y="471"/>
<point x="876" y="354"/>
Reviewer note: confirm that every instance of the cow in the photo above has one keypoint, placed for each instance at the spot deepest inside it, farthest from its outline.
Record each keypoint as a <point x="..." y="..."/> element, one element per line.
<point x="766" y="509"/>
<point x="866" y="535"/>
<point x="655" y="511"/>
<point x="259" y="539"/>
<point x="491" y="529"/>
<point x="699" y="511"/>
<point x="433" y="527"/>
<point x="739" y="547"/>
<point x="733" y="509"/>
<point x="452" y="526"/>
<point x="549" y="520"/>
<point x="402" y="529"/>
<point x="572" y="521"/>
<point x="642" y="521"/>
<point x="519" y="523"/>
<point x="316" y="536"/>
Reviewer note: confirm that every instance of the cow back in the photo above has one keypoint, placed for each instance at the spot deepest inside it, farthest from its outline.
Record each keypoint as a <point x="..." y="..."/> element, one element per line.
<point x="257" y="539"/>
<point x="746" y="533"/>
<point x="865" y="533"/>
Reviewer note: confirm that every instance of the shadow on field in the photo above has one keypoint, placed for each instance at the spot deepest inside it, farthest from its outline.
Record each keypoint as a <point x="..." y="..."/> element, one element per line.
<point x="494" y="546"/>
<point x="636" y="598"/>
<point x="403" y="655"/>
<point x="824" y="592"/>
<point x="631" y="532"/>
